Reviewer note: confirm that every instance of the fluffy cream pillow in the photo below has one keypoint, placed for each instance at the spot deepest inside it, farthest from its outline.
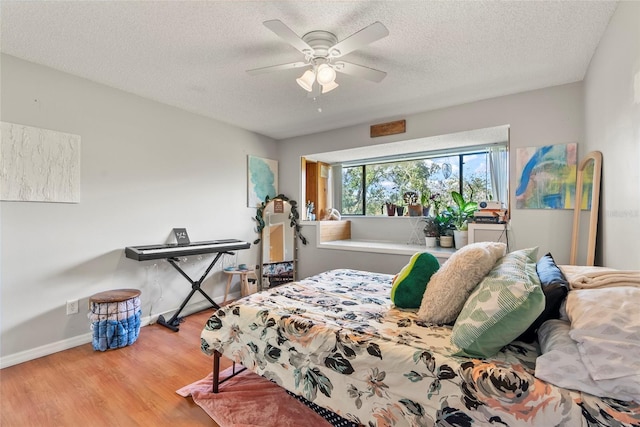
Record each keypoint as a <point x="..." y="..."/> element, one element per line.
<point x="449" y="287"/>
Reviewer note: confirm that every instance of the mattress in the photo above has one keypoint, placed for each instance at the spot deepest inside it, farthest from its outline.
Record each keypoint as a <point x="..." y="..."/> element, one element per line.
<point x="336" y="340"/>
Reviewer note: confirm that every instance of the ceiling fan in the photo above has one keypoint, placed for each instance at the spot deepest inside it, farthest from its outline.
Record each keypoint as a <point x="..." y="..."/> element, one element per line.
<point x="322" y="53"/>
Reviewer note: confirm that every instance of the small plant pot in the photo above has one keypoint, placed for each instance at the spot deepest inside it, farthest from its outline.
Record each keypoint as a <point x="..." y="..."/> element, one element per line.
<point x="391" y="209"/>
<point x="400" y="210"/>
<point x="425" y="210"/>
<point x="415" y="210"/>
<point x="446" y="241"/>
<point x="461" y="238"/>
<point x="430" y="241"/>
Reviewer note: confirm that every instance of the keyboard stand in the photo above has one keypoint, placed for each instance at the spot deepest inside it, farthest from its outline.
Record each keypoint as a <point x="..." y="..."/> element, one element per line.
<point x="175" y="321"/>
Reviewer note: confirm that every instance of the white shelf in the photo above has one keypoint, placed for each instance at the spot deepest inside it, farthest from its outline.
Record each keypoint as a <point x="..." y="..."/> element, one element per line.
<point x="488" y="232"/>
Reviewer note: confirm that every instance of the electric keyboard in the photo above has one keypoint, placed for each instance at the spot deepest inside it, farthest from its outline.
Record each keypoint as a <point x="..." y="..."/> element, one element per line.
<point x="149" y="252"/>
<point x="172" y="252"/>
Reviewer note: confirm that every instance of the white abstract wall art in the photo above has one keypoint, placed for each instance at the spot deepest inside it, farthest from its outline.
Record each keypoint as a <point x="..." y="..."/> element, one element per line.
<point x="39" y="165"/>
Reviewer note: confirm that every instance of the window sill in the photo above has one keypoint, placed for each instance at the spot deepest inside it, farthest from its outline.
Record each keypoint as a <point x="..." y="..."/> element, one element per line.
<point x="385" y="247"/>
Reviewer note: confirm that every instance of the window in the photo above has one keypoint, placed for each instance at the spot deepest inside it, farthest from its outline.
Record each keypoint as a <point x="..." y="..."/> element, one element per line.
<point x="479" y="173"/>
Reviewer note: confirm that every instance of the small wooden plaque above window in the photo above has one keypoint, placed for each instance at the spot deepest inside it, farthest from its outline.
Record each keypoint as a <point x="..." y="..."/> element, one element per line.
<point x="391" y="128"/>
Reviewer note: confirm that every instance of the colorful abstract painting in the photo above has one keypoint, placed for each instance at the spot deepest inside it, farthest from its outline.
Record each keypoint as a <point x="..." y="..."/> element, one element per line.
<point x="546" y="176"/>
<point x="262" y="180"/>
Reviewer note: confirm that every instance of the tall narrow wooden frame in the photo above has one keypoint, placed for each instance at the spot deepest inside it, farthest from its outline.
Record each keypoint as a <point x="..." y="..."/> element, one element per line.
<point x="596" y="158"/>
<point x="286" y="235"/>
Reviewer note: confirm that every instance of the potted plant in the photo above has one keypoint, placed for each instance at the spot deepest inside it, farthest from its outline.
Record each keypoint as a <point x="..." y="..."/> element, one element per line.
<point x="435" y="202"/>
<point x="430" y="231"/>
<point x="411" y="200"/>
<point x="424" y="201"/>
<point x="391" y="208"/>
<point x="460" y="214"/>
<point x="445" y="229"/>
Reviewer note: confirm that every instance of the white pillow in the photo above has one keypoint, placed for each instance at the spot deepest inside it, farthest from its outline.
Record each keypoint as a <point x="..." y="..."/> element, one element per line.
<point x="560" y="363"/>
<point x="449" y="287"/>
<point x="605" y="323"/>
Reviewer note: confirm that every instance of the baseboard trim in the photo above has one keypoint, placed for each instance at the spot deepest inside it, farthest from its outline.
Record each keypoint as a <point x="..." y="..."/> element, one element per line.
<point x="47" y="349"/>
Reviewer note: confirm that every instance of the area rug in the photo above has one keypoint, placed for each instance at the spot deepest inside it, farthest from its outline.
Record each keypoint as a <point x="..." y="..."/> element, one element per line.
<point x="250" y="400"/>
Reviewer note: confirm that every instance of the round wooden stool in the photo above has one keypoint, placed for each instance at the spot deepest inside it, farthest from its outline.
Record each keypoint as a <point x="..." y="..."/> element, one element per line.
<point x="244" y="281"/>
<point x="116" y="295"/>
<point x="115" y="318"/>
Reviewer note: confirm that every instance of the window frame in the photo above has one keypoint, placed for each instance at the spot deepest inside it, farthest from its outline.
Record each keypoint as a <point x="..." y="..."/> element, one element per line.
<point x="460" y="152"/>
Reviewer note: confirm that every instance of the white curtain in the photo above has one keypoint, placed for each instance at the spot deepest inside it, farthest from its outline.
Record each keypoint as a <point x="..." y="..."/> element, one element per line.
<point x="498" y="165"/>
<point x="334" y="196"/>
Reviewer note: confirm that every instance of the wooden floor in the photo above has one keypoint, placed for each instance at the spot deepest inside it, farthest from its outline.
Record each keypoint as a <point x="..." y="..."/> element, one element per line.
<point x="130" y="386"/>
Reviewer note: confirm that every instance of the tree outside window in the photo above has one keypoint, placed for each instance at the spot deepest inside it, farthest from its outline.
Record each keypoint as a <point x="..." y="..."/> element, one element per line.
<point x="366" y="188"/>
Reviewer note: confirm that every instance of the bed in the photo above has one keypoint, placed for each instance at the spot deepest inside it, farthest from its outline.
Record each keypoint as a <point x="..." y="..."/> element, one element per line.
<point x="337" y="340"/>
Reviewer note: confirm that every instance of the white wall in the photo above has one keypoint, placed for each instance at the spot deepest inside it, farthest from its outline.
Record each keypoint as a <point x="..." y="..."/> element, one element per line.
<point x="612" y="121"/>
<point x="546" y="116"/>
<point x="146" y="168"/>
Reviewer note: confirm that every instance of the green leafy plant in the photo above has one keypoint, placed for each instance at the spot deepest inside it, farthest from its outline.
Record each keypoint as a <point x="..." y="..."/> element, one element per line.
<point x="461" y="211"/>
<point x="425" y="196"/>
<point x="430" y="227"/>
<point x="444" y="223"/>
<point x="410" y="197"/>
<point x="436" y="203"/>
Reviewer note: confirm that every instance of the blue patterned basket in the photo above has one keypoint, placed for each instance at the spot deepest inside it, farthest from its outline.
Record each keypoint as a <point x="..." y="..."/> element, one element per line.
<point x="115" y="318"/>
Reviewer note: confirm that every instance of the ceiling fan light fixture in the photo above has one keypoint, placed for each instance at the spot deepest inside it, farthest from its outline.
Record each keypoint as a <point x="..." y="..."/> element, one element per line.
<point x="306" y="80"/>
<point x="326" y="74"/>
<point x="322" y="50"/>
<point x="329" y="87"/>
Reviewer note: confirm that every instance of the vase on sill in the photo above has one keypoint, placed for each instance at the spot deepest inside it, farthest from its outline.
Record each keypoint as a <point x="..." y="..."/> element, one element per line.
<point x="430" y="241"/>
<point x="446" y="241"/>
<point x="400" y="210"/>
<point x="391" y="209"/>
<point x="425" y="210"/>
<point x="461" y="238"/>
<point x="415" y="210"/>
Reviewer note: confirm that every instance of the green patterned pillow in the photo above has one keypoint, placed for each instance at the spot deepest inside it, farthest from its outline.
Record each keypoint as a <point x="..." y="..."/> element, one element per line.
<point x="501" y="307"/>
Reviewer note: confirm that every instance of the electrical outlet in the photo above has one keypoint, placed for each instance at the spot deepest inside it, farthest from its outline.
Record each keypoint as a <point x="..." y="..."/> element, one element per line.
<point x="72" y="306"/>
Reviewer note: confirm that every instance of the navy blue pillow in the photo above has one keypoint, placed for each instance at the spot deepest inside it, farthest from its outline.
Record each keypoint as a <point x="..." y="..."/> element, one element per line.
<point x="555" y="288"/>
<point x="549" y="273"/>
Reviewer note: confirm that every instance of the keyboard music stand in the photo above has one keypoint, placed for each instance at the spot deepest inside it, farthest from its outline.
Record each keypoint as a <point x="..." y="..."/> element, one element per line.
<point x="174" y="322"/>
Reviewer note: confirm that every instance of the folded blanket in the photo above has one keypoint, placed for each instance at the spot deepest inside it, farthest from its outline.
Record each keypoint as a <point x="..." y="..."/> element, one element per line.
<point x="603" y="279"/>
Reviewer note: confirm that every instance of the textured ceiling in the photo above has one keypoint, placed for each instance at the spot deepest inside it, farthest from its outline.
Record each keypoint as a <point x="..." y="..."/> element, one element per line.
<point x="194" y="54"/>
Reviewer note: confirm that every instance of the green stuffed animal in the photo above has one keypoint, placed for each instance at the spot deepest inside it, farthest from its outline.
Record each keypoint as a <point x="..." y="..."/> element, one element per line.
<point x="409" y="284"/>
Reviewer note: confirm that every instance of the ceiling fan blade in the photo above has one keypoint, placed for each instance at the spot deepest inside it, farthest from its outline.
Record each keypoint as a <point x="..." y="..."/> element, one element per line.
<point x="360" y="71"/>
<point x="289" y="66"/>
<point x="365" y="36"/>
<point x="288" y="35"/>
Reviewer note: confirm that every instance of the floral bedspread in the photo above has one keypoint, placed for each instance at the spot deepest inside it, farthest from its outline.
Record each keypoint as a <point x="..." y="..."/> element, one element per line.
<point x="335" y="339"/>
